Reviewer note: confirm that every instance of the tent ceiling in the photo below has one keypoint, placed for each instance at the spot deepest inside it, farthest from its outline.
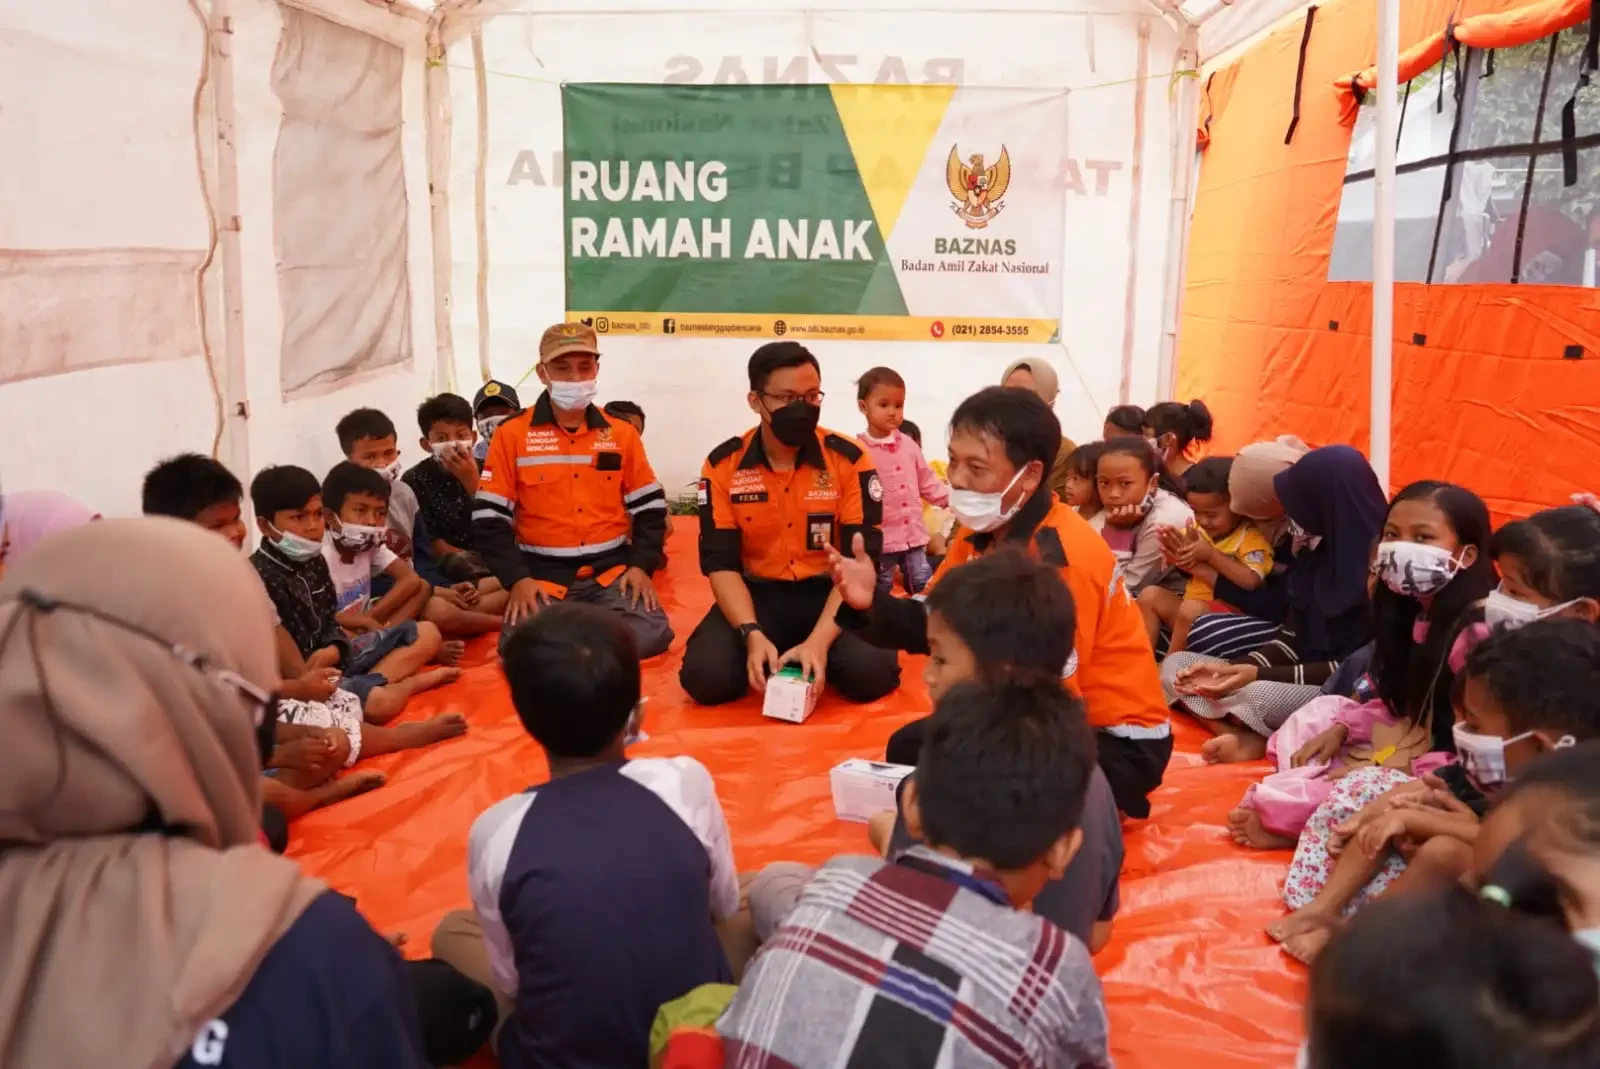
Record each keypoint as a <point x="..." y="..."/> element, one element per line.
<point x="1235" y="20"/>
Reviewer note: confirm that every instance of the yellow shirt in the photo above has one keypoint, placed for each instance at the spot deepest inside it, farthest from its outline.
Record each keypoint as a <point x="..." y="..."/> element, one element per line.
<point x="934" y="518"/>
<point x="1245" y="544"/>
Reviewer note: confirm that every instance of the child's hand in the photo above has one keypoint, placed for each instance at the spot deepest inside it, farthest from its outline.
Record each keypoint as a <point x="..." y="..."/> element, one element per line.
<point x="854" y="577"/>
<point x="1211" y="680"/>
<point x="452" y="597"/>
<point x="468" y="593"/>
<point x="318" y="684"/>
<point x="1322" y="749"/>
<point x="1378" y="835"/>
<point x="361" y="623"/>
<point x="1124" y="515"/>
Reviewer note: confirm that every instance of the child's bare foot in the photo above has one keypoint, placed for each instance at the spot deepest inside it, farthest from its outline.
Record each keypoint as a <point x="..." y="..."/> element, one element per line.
<point x="1299" y="922"/>
<point x="428" y="732"/>
<point x="450" y="651"/>
<point x="1245" y="827"/>
<point x="879" y="830"/>
<point x="1226" y="749"/>
<point x="434" y="677"/>
<point x="1305" y="947"/>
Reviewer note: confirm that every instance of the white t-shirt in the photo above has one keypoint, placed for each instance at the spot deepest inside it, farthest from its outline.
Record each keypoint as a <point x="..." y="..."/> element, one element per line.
<point x="681" y="782"/>
<point x="352" y="579"/>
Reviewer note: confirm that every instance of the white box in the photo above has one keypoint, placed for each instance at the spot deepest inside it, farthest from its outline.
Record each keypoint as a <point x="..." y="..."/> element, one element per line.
<point x="789" y="696"/>
<point x="862" y="789"/>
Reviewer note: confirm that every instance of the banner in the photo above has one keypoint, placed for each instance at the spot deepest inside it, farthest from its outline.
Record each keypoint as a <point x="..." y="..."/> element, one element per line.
<point x="848" y="212"/>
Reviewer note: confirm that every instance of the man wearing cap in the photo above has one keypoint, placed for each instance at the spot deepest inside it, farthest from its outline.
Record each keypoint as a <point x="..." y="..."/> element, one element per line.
<point x="568" y="506"/>
<point x="494" y="403"/>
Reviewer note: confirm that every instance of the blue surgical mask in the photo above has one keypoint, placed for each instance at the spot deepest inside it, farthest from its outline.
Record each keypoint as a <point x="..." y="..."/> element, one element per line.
<point x="296" y="548"/>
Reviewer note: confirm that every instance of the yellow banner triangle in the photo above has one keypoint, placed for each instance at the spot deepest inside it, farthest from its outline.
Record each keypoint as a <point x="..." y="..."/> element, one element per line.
<point x="889" y="128"/>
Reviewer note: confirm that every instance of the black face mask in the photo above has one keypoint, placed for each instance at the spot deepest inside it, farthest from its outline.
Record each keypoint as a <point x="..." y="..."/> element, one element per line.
<point x="796" y="423"/>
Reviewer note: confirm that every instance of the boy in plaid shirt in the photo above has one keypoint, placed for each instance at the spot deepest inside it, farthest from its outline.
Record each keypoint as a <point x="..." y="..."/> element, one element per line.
<point x="930" y="959"/>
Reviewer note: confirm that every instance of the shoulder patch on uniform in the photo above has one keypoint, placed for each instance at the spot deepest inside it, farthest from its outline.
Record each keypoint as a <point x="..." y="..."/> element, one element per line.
<point x="725" y="450"/>
<point x="1047" y="540"/>
<point x="843" y="446"/>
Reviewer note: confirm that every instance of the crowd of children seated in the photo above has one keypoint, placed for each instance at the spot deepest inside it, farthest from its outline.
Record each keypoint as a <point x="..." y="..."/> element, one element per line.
<point x="1425" y="689"/>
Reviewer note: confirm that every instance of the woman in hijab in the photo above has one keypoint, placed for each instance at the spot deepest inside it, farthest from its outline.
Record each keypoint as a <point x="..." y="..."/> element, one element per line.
<point x="1037" y="375"/>
<point x="28" y="517"/>
<point x="136" y="666"/>
<point x="1332" y="510"/>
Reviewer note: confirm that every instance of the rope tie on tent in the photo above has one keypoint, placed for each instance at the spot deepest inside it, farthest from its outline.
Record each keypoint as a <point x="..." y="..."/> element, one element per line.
<point x="1300" y="72"/>
<point x="1533" y="160"/>
<point x="1569" y="111"/>
<point x="1448" y="186"/>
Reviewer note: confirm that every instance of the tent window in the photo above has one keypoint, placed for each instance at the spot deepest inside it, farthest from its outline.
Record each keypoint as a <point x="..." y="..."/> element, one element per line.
<point x="1507" y="214"/>
<point x="339" y="202"/>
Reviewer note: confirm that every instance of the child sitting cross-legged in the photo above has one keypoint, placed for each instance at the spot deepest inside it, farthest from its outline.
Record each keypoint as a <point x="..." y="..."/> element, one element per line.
<point x="356" y="501"/>
<point x="1137" y="509"/>
<point x="444" y="482"/>
<point x="595" y="893"/>
<point x="382" y="668"/>
<point x="1219" y="543"/>
<point x="932" y="959"/>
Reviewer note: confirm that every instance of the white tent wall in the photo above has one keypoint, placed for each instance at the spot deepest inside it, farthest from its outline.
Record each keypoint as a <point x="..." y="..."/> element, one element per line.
<point x="1117" y="222"/>
<point x="102" y="374"/>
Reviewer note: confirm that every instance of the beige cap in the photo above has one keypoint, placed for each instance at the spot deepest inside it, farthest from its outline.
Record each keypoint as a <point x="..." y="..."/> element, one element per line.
<point x="564" y="338"/>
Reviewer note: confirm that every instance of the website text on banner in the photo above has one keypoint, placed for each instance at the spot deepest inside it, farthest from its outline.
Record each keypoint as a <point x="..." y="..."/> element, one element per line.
<point x="850" y="212"/>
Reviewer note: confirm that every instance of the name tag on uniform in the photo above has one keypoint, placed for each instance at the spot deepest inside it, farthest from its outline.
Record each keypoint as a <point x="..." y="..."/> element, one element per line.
<point x="753" y="497"/>
<point x="820" y="527"/>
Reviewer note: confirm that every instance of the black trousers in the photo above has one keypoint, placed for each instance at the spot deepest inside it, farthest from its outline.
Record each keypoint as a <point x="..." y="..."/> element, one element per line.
<point x="1132" y="767"/>
<point x="714" y="672"/>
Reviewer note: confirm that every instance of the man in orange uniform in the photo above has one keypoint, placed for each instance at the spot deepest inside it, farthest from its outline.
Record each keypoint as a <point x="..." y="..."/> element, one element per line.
<point x="773" y="501"/>
<point x="567" y="506"/>
<point x="1002" y="442"/>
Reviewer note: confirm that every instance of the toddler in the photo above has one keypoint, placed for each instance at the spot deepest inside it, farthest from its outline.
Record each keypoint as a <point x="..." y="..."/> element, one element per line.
<point x="907" y="480"/>
<point x="1219" y="543"/>
<point x="1136" y="508"/>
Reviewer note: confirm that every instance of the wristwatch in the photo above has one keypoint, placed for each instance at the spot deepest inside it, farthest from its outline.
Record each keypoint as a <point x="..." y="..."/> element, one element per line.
<point x="746" y="630"/>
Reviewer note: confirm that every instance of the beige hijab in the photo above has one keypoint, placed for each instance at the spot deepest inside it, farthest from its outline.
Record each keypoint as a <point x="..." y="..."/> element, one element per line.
<point x="121" y="945"/>
<point x="1045" y="382"/>
<point x="1250" y="481"/>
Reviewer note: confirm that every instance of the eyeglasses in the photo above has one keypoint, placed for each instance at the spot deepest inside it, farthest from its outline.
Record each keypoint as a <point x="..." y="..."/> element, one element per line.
<point x="264" y="704"/>
<point x="785" y="399"/>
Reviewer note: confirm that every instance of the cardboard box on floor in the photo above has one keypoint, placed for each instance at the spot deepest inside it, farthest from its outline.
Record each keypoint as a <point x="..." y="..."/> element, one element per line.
<point x="862" y="789"/>
<point x="789" y="696"/>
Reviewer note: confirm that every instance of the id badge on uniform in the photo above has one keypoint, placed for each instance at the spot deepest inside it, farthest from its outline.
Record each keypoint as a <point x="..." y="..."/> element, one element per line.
<point x="820" y="528"/>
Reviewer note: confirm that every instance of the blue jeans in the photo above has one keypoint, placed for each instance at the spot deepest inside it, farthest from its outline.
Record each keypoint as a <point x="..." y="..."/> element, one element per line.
<point x="915" y="571"/>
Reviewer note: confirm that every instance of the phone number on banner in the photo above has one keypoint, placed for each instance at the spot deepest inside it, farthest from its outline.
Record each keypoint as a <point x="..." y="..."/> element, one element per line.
<point x="830" y="327"/>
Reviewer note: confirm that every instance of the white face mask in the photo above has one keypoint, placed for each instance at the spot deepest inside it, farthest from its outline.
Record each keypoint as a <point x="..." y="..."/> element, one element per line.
<point x="1484" y="756"/>
<point x="393" y="471"/>
<point x="1302" y="537"/>
<point x="1415" y="570"/>
<point x="571" y="396"/>
<point x="487" y="426"/>
<point x="982" y="512"/>
<point x="295" y="547"/>
<point x="1502" y="610"/>
<point x="445" y="450"/>
<point x="357" y="538"/>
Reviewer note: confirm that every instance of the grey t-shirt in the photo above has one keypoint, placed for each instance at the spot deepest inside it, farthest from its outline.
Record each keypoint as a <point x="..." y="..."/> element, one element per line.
<point x="1087" y="892"/>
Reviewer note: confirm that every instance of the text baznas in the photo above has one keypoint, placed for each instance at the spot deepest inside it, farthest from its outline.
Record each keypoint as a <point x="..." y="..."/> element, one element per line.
<point x="698" y="238"/>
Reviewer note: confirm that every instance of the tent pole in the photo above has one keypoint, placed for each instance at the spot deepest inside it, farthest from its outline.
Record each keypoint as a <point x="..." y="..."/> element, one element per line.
<point x="235" y="380"/>
<point x="1185" y="119"/>
<point x="1383" y="235"/>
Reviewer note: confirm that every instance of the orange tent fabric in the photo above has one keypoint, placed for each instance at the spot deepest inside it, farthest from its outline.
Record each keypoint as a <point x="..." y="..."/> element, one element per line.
<point x="1189" y="977"/>
<point x="1484" y="392"/>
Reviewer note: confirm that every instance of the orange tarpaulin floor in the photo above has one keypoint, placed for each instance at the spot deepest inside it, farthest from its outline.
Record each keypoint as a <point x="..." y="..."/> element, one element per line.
<point x="1189" y="977"/>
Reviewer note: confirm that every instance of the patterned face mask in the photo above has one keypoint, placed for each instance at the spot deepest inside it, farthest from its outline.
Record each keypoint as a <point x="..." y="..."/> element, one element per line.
<point x="1413" y="569"/>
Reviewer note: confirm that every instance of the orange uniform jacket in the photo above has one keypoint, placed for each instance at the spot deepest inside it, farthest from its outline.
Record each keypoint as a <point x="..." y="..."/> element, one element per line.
<point x="557" y="506"/>
<point x="772" y="525"/>
<point x="1112" y="666"/>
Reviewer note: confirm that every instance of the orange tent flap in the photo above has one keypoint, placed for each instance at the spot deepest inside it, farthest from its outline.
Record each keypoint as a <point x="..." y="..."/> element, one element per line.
<point x="1497" y="29"/>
